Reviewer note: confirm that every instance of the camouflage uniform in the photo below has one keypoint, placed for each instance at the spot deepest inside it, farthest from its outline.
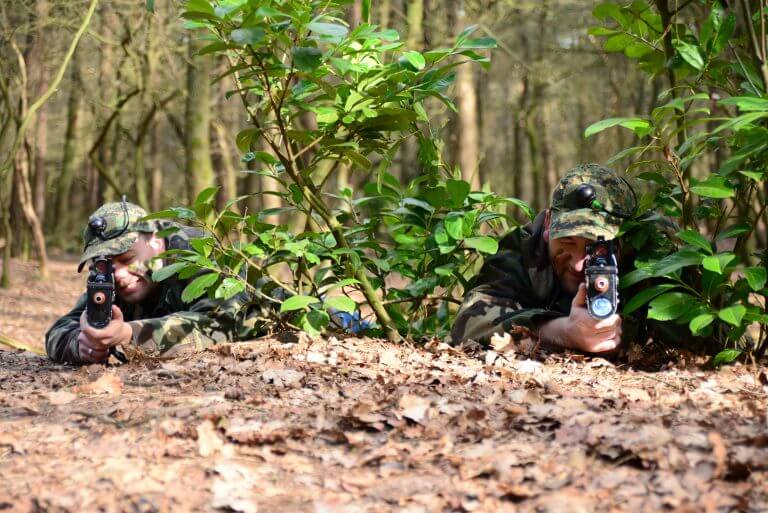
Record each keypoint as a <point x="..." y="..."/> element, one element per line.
<point x="162" y="324"/>
<point x="518" y="287"/>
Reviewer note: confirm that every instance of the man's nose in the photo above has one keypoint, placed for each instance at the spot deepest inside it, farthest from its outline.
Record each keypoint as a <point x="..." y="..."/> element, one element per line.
<point x="579" y="263"/>
<point x="120" y="270"/>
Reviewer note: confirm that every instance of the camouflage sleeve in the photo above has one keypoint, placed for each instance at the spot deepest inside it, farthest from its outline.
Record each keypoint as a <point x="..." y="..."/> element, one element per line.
<point x="61" y="338"/>
<point x="503" y="296"/>
<point x="206" y="322"/>
<point x="483" y="313"/>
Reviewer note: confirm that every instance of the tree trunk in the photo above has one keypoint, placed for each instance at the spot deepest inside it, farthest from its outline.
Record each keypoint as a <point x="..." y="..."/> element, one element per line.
<point x="198" y="121"/>
<point x="227" y="175"/>
<point x="63" y="198"/>
<point x="415" y="15"/>
<point x="385" y="7"/>
<point x="24" y="192"/>
<point x="156" y="175"/>
<point x="466" y="93"/>
<point x="39" y="79"/>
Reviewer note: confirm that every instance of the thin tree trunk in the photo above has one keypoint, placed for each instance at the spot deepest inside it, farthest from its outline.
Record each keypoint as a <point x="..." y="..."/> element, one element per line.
<point x="385" y="8"/>
<point x="198" y="120"/>
<point x="227" y="175"/>
<point x="156" y="176"/>
<point x="38" y="82"/>
<point x="466" y="95"/>
<point x="24" y="191"/>
<point x="63" y="200"/>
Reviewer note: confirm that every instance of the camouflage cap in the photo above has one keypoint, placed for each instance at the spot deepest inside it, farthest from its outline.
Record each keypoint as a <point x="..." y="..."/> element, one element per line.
<point x="112" y="229"/>
<point x="613" y="200"/>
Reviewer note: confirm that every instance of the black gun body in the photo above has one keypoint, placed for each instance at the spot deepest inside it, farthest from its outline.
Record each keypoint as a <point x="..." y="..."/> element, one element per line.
<point x="602" y="276"/>
<point x="100" y="293"/>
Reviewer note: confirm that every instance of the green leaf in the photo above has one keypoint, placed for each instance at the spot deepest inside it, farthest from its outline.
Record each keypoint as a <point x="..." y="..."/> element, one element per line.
<point x="415" y="59"/>
<point x="690" y="53"/>
<point x="747" y="103"/>
<point x="734" y="231"/>
<point x="457" y="191"/>
<point x="328" y="29"/>
<point x="206" y="196"/>
<point x="717" y="263"/>
<point x="700" y="322"/>
<point x="726" y="356"/>
<point x="244" y="139"/>
<point x="480" y="43"/>
<point x="198" y="286"/>
<point x="167" y="271"/>
<point x="314" y="322"/>
<point x="454" y="225"/>
<point x="341" y="303"/>
<point x="297" y="303"/>
<point x="366" y="11"/>
<point x="640" y="126"/>
<point x="733" y="314"/>
<point x="199" y="6"/>
<point x="483" y="244"/>
<point x="756" y="277"/>
<point x="670" y="306"/>
<point x="695" y="239"/>
<point x="151" y="6"/>
<point x="307" y="58"/>
<point x="713" y="187"/>
<point x="247" y="36"/>
<point x="676" y="261"/>
<point x="646" y="295"/>
<point x="229" y="287"/>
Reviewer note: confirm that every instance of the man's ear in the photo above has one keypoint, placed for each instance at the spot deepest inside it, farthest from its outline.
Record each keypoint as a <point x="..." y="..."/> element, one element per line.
<point x="545" y="235"/>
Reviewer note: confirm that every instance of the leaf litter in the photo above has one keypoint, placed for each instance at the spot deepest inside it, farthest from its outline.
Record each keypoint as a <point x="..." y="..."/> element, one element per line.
<point x="291" y="424"/>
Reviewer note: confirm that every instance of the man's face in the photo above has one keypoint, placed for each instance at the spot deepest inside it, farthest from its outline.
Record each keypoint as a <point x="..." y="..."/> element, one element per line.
<point x="132" y="281"/>
<point x="568" y="255"/>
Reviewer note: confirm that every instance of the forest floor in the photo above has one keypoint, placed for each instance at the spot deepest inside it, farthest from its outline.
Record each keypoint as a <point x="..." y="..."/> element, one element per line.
<point x="290" y="424"/>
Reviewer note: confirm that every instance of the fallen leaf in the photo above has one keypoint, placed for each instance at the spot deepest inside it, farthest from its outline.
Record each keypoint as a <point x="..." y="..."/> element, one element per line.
<point x="208" y="440"/>
<point x="635" y="394"/>
<point x="109" y="383"/>
<point x="61" y="397"/>
<point x="413" y="407"/>
<point x="233" y="488"/>
<point x="719" y="452"/>
<point x="283" y="377"/>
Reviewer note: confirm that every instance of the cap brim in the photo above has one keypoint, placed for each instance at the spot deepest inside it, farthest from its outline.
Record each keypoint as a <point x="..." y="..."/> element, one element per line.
<point x="584" y="222"/>
<point x="109" y="247"/>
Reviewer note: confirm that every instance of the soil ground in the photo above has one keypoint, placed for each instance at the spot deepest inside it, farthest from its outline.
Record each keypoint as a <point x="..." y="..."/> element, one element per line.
<point x="290" y="424"/>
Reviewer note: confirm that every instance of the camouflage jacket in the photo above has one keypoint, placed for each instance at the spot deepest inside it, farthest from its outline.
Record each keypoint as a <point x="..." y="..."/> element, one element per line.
<point x="515" y="287"/>
<point x="165" y="324"/>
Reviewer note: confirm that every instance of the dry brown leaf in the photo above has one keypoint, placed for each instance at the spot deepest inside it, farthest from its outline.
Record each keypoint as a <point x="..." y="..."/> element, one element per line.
<point x="208" y="440"/>
<point x="233" y="488"/>
<point x="635" y="394"/>
<point x="108" y="383"/>
<point x="719" y="452"/>
<point x="61" y="397"/>
<point x="413" y="407"/>
<point x="283" y="377"/>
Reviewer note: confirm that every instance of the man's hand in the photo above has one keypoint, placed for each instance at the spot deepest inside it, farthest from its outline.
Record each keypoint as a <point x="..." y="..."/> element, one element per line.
<point x="93" y="344"/>
<point x="580" y="331"/>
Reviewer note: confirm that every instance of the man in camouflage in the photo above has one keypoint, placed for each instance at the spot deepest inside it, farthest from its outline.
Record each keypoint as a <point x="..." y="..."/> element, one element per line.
<point x="536" y="279"/>
<point x="148" y="317"/>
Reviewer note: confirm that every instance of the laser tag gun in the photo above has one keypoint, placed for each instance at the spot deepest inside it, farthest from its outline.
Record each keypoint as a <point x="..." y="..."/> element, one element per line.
<point x="602" y="275"/>
<point x="100" y="292"/>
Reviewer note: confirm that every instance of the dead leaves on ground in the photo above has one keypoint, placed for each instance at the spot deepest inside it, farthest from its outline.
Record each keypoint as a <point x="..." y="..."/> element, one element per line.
<point x="359" y="425"/>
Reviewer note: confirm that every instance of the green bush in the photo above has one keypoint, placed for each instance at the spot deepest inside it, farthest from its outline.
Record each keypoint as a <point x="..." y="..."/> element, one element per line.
<point x="320" y="97"/>
<point x="714" y="279"/>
